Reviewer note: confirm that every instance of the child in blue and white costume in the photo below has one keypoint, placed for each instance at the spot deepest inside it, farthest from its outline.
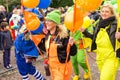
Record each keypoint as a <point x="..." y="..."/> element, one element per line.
<point x="25" y="47"/>
<point x="26" y="51"/>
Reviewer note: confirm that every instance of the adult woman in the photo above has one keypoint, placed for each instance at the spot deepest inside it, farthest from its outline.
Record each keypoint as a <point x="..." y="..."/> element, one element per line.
<point x="103" y="40"/>
<point x="56" y="42"/>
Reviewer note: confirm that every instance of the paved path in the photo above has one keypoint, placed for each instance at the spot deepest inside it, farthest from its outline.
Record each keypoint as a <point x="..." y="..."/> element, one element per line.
<point x="13" y="74"/>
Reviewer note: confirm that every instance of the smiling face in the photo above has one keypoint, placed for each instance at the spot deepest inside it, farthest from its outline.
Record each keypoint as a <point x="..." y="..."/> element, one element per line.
<point x="106" y="12"/>
<point x="50" y="25"/>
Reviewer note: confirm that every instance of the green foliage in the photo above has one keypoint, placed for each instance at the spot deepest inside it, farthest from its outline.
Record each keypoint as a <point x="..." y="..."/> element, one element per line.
<point x="61" y="3"/>
<point x="54" y="3"/>
<point x="9" y="3"/>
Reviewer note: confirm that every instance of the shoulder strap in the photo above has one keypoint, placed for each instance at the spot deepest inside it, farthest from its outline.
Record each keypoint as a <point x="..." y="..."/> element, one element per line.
<point x="107" y="27"/>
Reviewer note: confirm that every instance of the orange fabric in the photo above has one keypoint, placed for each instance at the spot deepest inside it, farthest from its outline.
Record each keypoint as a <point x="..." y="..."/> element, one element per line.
<point x="32" y="21"/>
<point x="37" y="38"/>
<point x="81" y="46"/>
<point x="57" y="68"/>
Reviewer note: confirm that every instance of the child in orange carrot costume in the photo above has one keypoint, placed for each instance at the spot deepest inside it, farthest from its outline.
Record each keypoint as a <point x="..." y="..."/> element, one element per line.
<point x="55" y="43"/>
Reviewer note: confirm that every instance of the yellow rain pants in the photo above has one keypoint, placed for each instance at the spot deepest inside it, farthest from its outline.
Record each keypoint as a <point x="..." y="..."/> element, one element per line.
<point x="106" y="59"/>
<point x="56" y="68"/>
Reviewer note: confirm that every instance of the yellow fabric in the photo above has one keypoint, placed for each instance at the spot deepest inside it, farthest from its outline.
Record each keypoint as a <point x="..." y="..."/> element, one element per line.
<point x="117" y="44"/>
<point x="118" y="6"/>
<point x="87" y="42"/>
<point x="119" y="62"/>
<point x="106" y="59"/>
<point x="57" y="68"/>
<point x="76" y="77"/>
<point x="86" y="76"/>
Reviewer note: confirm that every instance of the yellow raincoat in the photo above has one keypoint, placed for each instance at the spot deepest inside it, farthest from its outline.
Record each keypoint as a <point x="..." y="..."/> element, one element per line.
<point x="106" y="58"/>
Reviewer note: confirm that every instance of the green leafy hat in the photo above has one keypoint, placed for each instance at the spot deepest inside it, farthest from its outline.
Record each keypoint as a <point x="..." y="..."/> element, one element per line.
<point x="54" y="16"/>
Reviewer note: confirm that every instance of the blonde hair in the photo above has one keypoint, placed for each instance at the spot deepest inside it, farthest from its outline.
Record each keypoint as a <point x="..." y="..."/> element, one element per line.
<point x="110" y="7"/>
<point x="63" y="33"/>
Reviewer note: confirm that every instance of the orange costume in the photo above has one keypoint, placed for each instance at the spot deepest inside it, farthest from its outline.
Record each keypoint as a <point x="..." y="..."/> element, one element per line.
<point x="57" y="68"/>
<point x="56" y="58"/>
<point x="55" y="46"/>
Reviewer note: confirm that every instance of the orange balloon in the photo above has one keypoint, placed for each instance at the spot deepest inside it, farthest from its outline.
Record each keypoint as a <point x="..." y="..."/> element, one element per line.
<point x="73" y="21"/>
<point x="32" y="21"/>
<point x="69" y="20"/>
<point x="30" y="4"/>
<point x="88" y="5"/>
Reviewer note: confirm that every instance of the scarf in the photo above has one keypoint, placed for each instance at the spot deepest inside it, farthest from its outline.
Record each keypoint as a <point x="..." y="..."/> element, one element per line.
<point x="105" y="22"/>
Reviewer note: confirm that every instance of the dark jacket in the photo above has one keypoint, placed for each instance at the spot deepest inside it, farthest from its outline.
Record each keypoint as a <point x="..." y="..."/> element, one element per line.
<point x="94" y="15"/>
<point x="3" y="15"/>
<point x="1" y="41"/>
<point x="61" y="50"/>
<point x="102" y="24"/>
<point x="7" y="39"/>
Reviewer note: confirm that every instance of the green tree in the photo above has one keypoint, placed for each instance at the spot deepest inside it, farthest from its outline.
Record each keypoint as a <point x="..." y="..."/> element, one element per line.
<point x="9" y="3"/>
<point x="54" y="3"/>
<point x="61" y="3"/>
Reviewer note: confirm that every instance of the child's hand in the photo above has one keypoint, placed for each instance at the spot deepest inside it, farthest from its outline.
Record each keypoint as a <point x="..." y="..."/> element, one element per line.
<point x="30" y="59"/>
<point x="82" y="29"/>
<point x="27" y="36"/>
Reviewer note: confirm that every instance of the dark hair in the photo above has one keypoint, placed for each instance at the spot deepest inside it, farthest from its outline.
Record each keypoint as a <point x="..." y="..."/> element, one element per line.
<point x="3" y="25"/>
<point x="18" y="7"/>
<point x="2" y="15"/>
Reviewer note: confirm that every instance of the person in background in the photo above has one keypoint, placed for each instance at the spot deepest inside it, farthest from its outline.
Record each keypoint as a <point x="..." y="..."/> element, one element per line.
<point x="1" y="39"/>
<point x="94" y="16"/>
<point x="7" y="44"/>
<point x="3" y="14"/>
<point x="61" y="9"/>
<point x="55" y="44"/>
<point x="103" y="41"/>
<point x="14" y="8"/>
<point x="79" y="58"/>
<point x="83" y="45"/>
<point x="16" y="21"/>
